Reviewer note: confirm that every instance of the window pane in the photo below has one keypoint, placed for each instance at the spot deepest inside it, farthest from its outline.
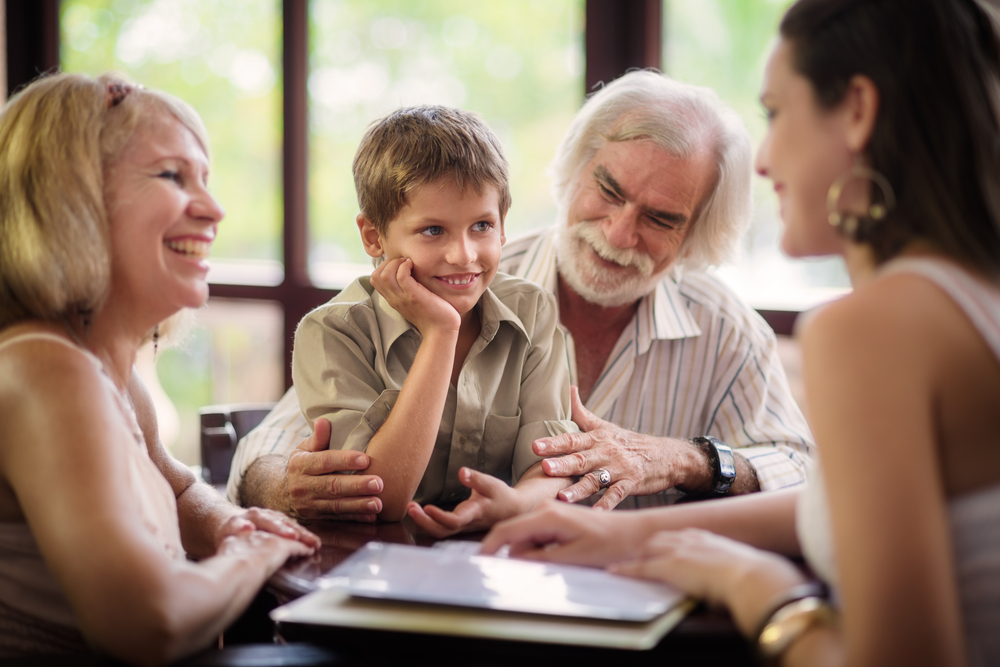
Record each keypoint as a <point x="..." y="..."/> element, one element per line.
<point x="232" y="355"/>
<point x="724" y="44"/>
<point x="221" y="56"/>
<point x="519" y="63"/>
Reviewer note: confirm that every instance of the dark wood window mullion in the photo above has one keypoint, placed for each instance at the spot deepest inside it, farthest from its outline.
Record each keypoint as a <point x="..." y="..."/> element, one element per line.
<point x="621" y="35"/>
<point x="32" y="40"/>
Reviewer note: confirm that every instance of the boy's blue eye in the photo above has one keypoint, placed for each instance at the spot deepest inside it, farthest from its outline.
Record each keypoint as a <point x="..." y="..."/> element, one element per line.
<point x="434" y="230"/>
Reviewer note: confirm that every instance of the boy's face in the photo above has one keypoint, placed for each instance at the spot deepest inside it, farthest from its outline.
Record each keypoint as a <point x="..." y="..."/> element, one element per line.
<point x="453" y="236"/>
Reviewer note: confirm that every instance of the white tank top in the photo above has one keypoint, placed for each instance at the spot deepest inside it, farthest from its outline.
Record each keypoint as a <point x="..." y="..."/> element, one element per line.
<point x="974" y="518"/>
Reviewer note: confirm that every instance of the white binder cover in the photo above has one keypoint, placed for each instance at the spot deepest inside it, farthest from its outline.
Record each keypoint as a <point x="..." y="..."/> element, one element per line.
<point x="416" y="589"/>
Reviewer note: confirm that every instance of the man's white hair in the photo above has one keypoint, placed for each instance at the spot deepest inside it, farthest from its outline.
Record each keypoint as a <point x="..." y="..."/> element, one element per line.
<point x="682" y="119"/>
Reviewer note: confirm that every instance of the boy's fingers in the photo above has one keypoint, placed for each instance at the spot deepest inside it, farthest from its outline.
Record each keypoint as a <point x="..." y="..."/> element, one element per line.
<point x="449" y="520"/>
<point x="487" y="485"/>
<point x="404" y="271"/>
<point x="425" y="523"/>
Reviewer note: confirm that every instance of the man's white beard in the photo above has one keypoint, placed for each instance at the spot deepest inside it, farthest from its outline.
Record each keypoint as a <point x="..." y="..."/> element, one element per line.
<point x="595" y="283"/>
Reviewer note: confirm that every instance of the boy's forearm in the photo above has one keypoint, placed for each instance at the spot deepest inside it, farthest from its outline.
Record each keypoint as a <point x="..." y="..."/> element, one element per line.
<point x="402" y="446"/>
<point x="535" y="486"/>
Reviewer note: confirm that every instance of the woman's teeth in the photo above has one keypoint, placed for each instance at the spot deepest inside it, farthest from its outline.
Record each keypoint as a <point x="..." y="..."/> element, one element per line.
<point x="190" y="247"/>
<point x="460" y="281"/>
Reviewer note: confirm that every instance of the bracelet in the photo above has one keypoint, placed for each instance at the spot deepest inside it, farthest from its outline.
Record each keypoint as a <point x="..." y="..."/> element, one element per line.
<point x="796" y="611"/>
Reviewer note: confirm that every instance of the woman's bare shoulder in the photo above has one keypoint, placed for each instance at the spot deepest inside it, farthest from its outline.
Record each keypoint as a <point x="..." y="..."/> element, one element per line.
<point x="42" y="359"/>
<point x="901" y="306"/>
<point x="48" y="386"/>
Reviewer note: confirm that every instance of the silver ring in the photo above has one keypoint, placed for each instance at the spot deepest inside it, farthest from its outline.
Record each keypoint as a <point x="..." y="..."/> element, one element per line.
<point x="603" y="477"/>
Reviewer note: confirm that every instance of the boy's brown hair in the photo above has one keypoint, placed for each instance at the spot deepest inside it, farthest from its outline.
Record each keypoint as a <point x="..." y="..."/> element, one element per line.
<point x="414" y="146"/>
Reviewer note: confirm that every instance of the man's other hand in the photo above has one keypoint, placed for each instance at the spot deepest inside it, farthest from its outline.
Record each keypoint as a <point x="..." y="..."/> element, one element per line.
<point x="315" y="492"/>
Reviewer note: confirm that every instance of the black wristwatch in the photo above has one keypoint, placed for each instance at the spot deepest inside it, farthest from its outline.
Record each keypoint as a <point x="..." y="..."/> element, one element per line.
<point x="720" y="456"/>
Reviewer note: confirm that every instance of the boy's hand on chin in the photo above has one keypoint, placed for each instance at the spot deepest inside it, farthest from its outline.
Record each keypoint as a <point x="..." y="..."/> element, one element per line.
<point x="425" y="310"/>
<point x="492" y="500"/>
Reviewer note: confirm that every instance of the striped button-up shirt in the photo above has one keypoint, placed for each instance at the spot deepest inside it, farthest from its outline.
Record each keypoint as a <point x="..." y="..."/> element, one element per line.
<point x="695" y="360"/>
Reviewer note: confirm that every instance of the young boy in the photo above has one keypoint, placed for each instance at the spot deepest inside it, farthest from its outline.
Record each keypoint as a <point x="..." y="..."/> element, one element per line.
<point x="443" y="371"/>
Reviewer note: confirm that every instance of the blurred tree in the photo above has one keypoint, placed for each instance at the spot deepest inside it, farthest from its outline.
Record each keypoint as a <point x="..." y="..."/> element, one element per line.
<point x="519" y="63"/>
<point x="222" y="57"/>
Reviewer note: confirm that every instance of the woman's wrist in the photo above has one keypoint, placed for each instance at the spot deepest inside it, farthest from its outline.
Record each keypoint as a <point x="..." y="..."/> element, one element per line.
<point x="790" y="616"/>
<point x="759" y="587"/>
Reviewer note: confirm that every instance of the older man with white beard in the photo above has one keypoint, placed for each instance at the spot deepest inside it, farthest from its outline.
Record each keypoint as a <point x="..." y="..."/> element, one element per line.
<point x="652" y="183"/>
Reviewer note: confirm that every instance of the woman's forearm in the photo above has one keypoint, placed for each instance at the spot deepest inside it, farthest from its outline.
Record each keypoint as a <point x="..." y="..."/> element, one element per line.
<point x="174" y="611"/>
<point x="765" y="520"/>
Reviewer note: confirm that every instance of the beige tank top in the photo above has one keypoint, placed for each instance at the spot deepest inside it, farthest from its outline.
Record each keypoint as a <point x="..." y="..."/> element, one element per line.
<point x="35" y="616"/>
<point x="974" y="518"/>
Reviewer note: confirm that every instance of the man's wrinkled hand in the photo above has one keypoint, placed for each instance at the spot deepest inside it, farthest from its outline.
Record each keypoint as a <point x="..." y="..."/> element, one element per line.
<point x="316" y="492"/>
<point x="639" y="464"/>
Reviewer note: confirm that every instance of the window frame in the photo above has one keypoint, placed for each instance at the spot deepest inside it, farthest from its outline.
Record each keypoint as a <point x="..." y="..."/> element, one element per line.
<point x="619" y="35"/>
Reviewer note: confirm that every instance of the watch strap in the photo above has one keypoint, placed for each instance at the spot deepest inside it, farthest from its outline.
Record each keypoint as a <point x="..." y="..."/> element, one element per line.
<point x="721" y="459"/>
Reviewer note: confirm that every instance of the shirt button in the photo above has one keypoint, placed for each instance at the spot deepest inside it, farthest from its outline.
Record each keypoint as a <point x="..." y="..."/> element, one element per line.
<point x="464" y="439"/>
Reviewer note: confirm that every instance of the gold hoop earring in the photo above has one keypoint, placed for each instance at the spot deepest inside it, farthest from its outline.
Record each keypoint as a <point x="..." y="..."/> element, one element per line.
<point x="857" y="227"/>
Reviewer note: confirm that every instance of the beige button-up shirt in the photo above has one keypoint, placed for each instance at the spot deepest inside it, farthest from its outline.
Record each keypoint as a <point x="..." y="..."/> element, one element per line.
<point x="352" y="356"/>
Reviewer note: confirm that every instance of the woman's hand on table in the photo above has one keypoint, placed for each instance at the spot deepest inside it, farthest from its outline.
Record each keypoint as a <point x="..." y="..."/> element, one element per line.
<point x="491" y="501"/>
<point x="564" y="533"/>
<point x="257" y="519"/>
<point x="716" y="569"/>
<point x="273" y="549"/>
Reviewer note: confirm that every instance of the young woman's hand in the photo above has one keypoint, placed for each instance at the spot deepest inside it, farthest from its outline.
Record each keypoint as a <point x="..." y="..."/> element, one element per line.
<point x="559" y="532"/>
<point x="491" y="501"/>
<point x="716" y="569"/>
<point x="427" y="311"/>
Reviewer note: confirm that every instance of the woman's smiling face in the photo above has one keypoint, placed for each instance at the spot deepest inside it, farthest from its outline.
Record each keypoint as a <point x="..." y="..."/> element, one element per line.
<point x="162" y="218"/>
<point x="804" y="151"/>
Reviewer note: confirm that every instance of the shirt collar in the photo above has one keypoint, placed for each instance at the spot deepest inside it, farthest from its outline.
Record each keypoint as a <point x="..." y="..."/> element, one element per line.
<point x="494" y="311"/>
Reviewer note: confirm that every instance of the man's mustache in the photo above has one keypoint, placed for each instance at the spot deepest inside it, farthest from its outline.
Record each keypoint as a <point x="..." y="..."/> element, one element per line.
<point x="590" y="233"/>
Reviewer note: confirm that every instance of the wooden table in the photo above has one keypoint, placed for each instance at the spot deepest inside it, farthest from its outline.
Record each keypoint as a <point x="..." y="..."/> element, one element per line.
<point x="705" y="637"/>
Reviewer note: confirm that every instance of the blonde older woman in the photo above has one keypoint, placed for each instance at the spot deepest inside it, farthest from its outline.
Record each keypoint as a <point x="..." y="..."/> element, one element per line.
<point x="105" y="225"/>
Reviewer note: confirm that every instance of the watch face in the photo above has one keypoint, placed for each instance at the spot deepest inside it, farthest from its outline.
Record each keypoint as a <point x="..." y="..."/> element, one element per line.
<point x="727" y="466"/>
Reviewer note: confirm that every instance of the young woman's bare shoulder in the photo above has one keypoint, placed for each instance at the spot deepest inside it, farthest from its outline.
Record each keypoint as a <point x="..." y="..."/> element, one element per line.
<point x="899" y="307"/>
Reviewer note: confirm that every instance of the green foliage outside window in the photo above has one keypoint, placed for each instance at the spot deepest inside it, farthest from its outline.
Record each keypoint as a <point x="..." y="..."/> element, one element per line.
<point x="519" y="63"/>
<point x="224" y="58"/>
